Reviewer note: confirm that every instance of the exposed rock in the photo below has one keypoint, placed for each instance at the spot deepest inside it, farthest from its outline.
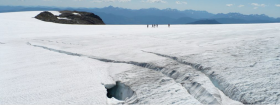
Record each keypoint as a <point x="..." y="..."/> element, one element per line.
<point x="70" y="17"/>
<point x="46" y="16"/>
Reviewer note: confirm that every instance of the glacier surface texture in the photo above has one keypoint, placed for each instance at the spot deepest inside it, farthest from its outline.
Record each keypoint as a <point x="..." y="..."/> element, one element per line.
<point x="49" y="63"/>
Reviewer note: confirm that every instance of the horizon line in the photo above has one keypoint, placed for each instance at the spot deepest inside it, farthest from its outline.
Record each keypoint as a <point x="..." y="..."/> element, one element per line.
<point x="135" y="9"/>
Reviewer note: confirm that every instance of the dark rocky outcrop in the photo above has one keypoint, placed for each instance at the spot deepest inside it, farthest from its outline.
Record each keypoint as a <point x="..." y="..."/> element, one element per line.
<point x="70" y="17"/>
<point x="207" y="21"/>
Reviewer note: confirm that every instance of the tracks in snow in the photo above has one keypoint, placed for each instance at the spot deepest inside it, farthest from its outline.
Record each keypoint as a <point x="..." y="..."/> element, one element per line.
<point x="196" y="89"/>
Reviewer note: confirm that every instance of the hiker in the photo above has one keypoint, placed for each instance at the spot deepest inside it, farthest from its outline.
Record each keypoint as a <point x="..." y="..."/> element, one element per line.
<point x="147" y="25"/>
<point x="168" y="25"/>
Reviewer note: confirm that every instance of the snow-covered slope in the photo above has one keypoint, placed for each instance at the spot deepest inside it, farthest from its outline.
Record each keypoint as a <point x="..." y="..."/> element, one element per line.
<point x="49" y="63"/>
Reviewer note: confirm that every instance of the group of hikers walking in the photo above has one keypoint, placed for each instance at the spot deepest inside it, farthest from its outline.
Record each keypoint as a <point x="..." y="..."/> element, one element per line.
<point x="155" y="25"/>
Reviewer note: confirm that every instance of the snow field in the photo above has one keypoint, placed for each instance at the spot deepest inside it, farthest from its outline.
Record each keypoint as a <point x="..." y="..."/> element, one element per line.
<point x="241" y="57"/>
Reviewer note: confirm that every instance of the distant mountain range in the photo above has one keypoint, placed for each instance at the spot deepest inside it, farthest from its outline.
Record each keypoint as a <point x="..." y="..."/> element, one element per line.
<point x="207" y="21"/>
<point x="116" y="15"/>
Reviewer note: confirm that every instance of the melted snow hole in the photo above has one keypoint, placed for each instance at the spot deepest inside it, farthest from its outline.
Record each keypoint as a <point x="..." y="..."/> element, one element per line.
<point x="120" y="91"/>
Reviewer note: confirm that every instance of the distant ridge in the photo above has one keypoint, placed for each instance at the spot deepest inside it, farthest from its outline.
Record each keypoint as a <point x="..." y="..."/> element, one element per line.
<point x="116" y="15"/>
<point x="206" y="21"/>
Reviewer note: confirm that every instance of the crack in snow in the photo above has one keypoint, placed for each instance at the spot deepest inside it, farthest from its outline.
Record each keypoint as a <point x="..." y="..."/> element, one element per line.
<point x="145" y="65"/>
<point x="194" y="88"/>
<point x="194" y="65"/>
<point x="198" y="67"/>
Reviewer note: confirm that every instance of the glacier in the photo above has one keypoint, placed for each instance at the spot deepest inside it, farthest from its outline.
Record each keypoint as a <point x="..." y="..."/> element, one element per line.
<point x="50" y="63"/>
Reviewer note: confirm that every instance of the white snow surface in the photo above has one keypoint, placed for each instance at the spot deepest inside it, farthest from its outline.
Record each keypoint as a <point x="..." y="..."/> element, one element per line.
<point x="38" y="64"/>
<point x="77" y="14"/>
<point x="65" y="18"/>
<point x="56" y="13"/>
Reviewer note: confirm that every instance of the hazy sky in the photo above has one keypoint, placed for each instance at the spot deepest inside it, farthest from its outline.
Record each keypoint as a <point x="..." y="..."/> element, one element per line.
<point x="268" y="7"/>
